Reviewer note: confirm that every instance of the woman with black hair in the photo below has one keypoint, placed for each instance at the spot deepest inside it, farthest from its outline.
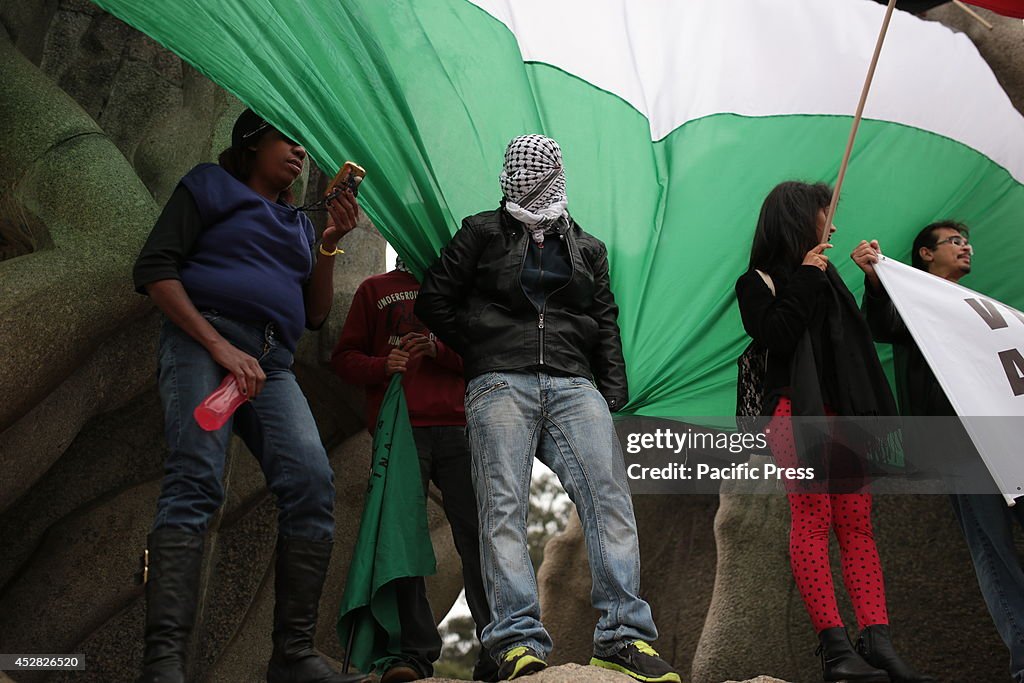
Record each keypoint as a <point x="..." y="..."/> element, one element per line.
<point x="820" y="361"/>
<point x="237" y="274"/>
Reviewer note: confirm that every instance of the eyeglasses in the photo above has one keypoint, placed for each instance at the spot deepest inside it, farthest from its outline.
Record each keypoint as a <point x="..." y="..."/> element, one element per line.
<point x="957" y="241"/>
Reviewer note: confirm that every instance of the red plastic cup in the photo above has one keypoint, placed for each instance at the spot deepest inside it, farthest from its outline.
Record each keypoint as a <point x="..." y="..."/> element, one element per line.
<point x="216" y="408"/>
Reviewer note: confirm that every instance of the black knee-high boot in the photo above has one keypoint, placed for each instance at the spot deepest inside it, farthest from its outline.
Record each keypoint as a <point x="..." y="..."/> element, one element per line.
<point x="299" y="578"/>
<point x="172" y="591"/>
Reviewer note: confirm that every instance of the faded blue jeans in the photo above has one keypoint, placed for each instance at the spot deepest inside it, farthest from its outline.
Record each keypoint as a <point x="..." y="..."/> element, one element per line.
<point x="987" y="523"/>
<point x="564" y="422"/>
<point x="277" y="426"/>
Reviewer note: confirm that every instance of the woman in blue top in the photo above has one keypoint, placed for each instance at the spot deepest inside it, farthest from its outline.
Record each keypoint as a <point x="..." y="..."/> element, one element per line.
<point x="235" y="269"/>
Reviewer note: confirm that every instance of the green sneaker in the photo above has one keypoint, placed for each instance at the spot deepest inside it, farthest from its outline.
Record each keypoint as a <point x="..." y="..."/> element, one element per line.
<point x="520" y="661"/>
<point x="640" y="661"/>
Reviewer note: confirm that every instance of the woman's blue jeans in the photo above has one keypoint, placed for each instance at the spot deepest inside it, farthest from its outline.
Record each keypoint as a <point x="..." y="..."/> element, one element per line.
<point x="277" y="426"/>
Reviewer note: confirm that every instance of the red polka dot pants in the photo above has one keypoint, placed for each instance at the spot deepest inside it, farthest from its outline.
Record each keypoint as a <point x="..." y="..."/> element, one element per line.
<point x="812" y="516"/>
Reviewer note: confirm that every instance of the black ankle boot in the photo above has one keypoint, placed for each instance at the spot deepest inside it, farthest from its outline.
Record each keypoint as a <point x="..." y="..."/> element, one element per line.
<point x="299" y="578"/>
<point x="171" y="574"/>
<point x="839" y="661"/>
<point x="875" y="645"/>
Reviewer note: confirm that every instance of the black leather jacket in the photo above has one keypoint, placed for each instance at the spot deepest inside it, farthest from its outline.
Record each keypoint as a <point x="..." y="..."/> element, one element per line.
<point x="473" y="299"/>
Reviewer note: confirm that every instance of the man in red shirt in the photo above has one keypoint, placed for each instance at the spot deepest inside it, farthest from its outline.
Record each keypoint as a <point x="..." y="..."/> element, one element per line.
<point x="383" y="336"/>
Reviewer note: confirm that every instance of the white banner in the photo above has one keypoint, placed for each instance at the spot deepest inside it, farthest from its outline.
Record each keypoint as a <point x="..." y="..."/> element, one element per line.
<point x="975" y="346"/>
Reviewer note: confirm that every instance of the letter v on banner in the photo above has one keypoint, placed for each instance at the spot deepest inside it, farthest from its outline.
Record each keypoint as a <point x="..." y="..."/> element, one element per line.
<point x="975" y="347"/>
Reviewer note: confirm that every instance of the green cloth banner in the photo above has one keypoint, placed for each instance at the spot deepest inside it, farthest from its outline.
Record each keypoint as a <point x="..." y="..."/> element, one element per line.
<point x="675" y="120"/>
<point x="393" y="541"/>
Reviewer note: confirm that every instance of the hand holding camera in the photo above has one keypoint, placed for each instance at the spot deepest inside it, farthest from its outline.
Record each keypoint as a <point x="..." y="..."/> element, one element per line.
<point x="342" y="208"/>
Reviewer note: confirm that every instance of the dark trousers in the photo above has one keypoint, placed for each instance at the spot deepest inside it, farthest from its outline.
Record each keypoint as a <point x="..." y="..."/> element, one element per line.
<point x="444" y="460"/>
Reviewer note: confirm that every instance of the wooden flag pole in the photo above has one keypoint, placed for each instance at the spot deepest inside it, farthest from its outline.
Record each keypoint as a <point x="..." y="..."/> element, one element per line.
<point x="974" y="15"/>
<point x="348" y="648"/>
<point x="856" y="121"/>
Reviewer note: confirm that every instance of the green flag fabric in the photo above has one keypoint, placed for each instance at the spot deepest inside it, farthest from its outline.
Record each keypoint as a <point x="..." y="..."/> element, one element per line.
<point x="393" y="541"/>
<point x="675" y="120"/>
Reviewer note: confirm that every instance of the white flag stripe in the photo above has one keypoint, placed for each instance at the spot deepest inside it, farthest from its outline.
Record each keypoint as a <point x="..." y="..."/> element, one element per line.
<point x="680" y="60"/>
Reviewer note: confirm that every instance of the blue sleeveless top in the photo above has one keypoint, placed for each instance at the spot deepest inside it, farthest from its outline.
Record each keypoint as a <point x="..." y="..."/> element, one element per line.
<point x="253" y="256"/>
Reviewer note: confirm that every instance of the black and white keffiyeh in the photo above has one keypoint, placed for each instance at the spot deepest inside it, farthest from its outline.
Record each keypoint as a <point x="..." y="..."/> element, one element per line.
<point x="400" y="265"/>
<point x="533" y="181"/>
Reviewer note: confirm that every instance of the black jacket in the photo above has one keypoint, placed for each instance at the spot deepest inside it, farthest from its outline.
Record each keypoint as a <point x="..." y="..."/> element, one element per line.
<point x="917" y="390"/>
<point x="777" y="322"/>
<point x="473" y="299"/>
<point x="820" y="351"/>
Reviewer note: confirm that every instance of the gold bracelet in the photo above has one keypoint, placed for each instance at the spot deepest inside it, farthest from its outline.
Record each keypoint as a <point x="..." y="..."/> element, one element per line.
<point x="330" y="253"/>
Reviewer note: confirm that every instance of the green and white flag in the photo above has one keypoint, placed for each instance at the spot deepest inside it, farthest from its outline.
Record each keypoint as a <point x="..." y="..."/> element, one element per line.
<point x="675" y="119"/>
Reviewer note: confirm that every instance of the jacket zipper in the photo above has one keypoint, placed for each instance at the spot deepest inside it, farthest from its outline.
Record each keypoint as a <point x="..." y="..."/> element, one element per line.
<point x="572" y="274"/>
<point x="540" y="283"/>
<point x="540" y="312"/>
<point x="540" y="327"/>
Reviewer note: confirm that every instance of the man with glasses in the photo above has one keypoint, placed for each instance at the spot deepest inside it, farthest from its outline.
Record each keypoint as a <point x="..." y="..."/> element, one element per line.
<point x="944" y="250"/>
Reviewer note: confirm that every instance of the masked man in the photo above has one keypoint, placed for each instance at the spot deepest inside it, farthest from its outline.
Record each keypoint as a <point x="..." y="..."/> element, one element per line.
<point x="522" y="293"/>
